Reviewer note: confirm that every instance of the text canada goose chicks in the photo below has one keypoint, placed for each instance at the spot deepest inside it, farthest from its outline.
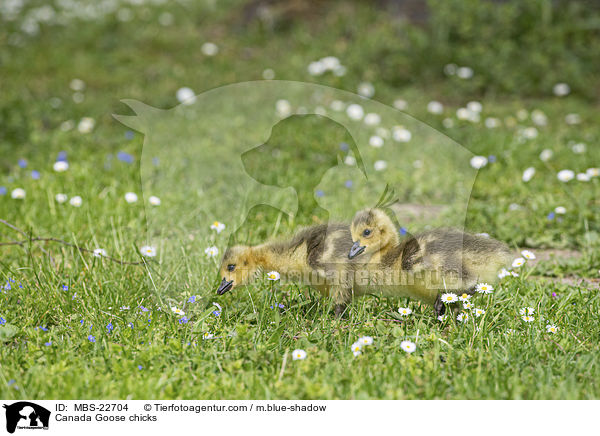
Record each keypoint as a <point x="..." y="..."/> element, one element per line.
<point x="316" y="256"/>
<point x="424" y="265"/>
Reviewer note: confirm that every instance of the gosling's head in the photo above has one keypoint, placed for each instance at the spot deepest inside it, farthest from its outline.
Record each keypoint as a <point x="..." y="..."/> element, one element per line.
<point x="372" y="230"/>
<point x="238" y="267"/>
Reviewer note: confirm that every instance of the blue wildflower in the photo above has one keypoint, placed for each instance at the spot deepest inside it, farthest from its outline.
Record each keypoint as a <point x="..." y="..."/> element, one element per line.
<point x="125" y="157"/>
<point x="2" y="190"/>
<point x="2" y="321"/>
<point x="155" y="161"/>
<point x="81" y="322"/>
<point x="129" y="134"/>
<point x="319" y="193"/>
<point x="192" y="299"/>
<point x="348" y="184"/>
<point x="41" y="328"/>
<point x="491" y="158"/>
<point x="74" y="296"/>
<point x="281" y="306"/>
<point x="144" y="309"/>
<point x="22" y="163"/>
<point x="140" y="367"/>
<point x="403" y="231"/>
<point x="130" y="325"/>
<point x="62" y="156"/>
<point x="91" y="338"/>
<point x="216" y="313"/>
<point x="47" y="344"/>
<point x="109" y="327"/>
<point x="65" y="288"/>
<point x="11" y="382"/>
<point x="35" y="175"/>
<point x="551" y="216"/>
<point x="344" y="146"/>
<point x="7" y="287"/>
<point x="183" y="320"/>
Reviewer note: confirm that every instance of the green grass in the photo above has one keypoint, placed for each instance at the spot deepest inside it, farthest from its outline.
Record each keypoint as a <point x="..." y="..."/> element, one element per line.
<point x="249" y="355"/>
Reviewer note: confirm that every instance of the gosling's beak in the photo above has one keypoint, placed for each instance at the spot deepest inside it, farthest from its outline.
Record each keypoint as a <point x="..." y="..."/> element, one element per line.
<point x="225" y="286"/>
<point x="356" y="250"/>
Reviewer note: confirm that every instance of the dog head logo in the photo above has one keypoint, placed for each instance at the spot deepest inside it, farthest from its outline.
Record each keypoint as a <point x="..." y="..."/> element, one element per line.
<point x="26" y="415"/>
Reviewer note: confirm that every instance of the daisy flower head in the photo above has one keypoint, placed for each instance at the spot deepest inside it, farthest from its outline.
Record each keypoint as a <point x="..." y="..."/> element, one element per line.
<point x="148" y="251"/>
<point x="380" y="165"/>
<point x="376" y="141"/>
<point x="86" y="125"/>
<point x="593" y="172"/>
<point x="365" y="340"/>
<point x="561" y="89"/>
<point x="154" y="200"/>
<point x="546" y="155"/>
<point x="478" y="312"/>
<point x="528" y="174"/>
<point x="561" y="210"/>
<point x="208" y="335"/>
<point x="528" y="318"/>
<point x="76" y="201"/>
<point x="526" y="311"/>
<point x="435" y="107"/>
<point x="565" y="175"/>
<point x="211" y="251"/>
<point x="177" y="311"/>
<point x="60" y="166"/>
<point x="478" y="162"/>
<point x="408" y="346"/>
<point x="209" y="49"/>
<point x="99" y="252"/>
<point x="298" y="354"/>
<point x="18" y="194"/>
<point x="518" y="262"/>
<point x="464" y="298"/>
<point x="442" y="318"/>
<point x="449" y="298"/>
<point x="551" y="328"/>
<point x="273" y="275"/>
<point x="462" y="317"/>
<point x="217" y="226"/>
<point x="355" y="112"/>
<point x="366" y="89"/>
<point x="404" y="311"/>
<point x="61" y="198"/>
<point x="467" y="305"/>
<point x="372" y="119"/>
<point x="528" y="254"/>
<point x="484" y="288"/>
<point x="131" y="197"/>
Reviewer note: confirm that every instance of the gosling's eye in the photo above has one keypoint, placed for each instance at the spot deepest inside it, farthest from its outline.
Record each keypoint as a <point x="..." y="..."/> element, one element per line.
<point x="367" y="232"/>
<point x="230" y="267"/>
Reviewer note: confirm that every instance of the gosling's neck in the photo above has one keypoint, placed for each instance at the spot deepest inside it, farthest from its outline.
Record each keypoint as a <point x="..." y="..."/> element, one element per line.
<point x="270" y="259"/>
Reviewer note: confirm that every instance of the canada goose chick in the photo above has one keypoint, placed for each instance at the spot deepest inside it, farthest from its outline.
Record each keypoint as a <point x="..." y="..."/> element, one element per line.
<point x="316" y="256"/>
<point x="436" y="261"/>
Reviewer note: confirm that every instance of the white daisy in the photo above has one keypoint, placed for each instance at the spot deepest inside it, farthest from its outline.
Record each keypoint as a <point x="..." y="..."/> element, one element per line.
<point x="355" y="112"/>
<point x="400" y="104"/>
<point x="208" y="335"/>
<point x="464" y="72"/>
<point x="435" y="107"/>
<point x="529" y="133"/>
<point x="365" y="340"/>
<point x="484" y="288"/>
<point x="268" y="74"/>
<point x="578" y="148"/>
<point x="478" y="312"/>
<point x="518" y="262"/>
<point x="18" y="193"/>
<point x="298" y="354"/>
<point x="337" y="105"/>
<point x="60" y="166"/>
<point x="154" y="200"/>
<point x="350" y="160"/>
<point x="492" y="122"/>
<point x="372" y="119"/>
<point x="450" y="69"/>
<point x="217" y="226"/>
<point x="561" y="210"/>
<point x="478" y="162"/>
<point x="503" y="273"/>
<point x="404" y="311"/>
<point x="546" y="154"/>
<point x="467" y="305"/>
<point x="551" y="328"/>
<point x="211" y="251"/>
<point x="356" y="347"/>
<point x="464" y="297"/>
<point x="565" y="175"/>
<point x="380" y="165"/>
<point x="186" y="95"/>
<point x="61" y="198"/>
<point x="273" y="275"/>
<point x="572" y="119"/>
<point x="593" y="172"/>
<point x="209" y="49"/>
<point x="315" y="68"/>
<point x="99" y="252"/>
<point x="528" y="318"/>
<point x="283" y="108"/>
<point x="448" y="123"/>
<point x="408" y="346"/>
<point x="86" y="125"/>
<point x="526" y="311"/>
<point x="583" y="177"/>
<point x="366" y="89"/>
<point x="449" y="298"/>
<point x="442" y="318"/>
<point x="561" y="89"/>
<point x="400" y="134"/>
<point x="528" y="174"/>
<point x="462" y="317"/>
<point x="131" y="197"/>
<point x="376" y="141"/>
<point x="76" y="201"/>
<point x="528" y="254"/>
<point x="539" y="118"/>
<point x="177" y="311"/>
<point x="474" y="106"/>
<point x="148" y="251"/>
